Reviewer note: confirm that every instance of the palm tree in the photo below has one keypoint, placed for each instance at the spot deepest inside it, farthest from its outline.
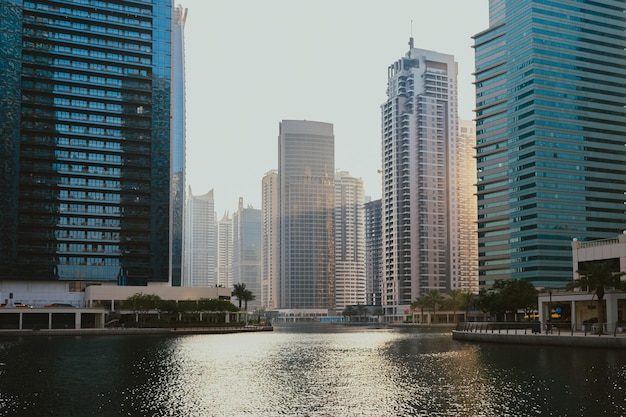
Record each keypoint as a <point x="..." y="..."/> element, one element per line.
<point x="432" y="299"/>
<point x="419" y="303"/>
<point x="239" y="291"/>
<point x="457" y="299"/>
<point x="247" y="296"/>
<point x="597" y="277"/>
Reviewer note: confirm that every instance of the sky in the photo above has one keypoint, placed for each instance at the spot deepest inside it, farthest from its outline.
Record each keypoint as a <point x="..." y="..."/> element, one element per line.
<point x="250" y="64"/>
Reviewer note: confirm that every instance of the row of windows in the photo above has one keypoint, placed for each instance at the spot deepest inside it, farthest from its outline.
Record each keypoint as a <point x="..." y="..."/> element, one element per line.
<point x="89" y="208"/>
<point x="67" y="168"/>
<point x="62" y="101"/>
<point x="92" y="222"/>
<point x="93" y="118"/>
<point x="96" y="131"/>
<point x="94" y="16"/>
<point x="92" y="66"/>
<point x="82" y="195"/>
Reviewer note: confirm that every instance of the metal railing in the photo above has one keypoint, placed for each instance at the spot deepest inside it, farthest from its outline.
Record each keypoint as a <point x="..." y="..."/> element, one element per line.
<point x="535" y="327"/>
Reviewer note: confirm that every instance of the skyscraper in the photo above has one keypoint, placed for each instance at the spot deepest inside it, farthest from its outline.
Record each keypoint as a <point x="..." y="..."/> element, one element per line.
<point x="463" y="230"/>
<point x="269" y="212"/>
<point x="550" y="135"/>
<point x="85" y="115"/>
<point x="349" y="241"/>
<point x="247" y="253"/>
<point x="225" y="252"/>
<point x="420" y="128"/>
<point x="200" y="268"/>
<point x="178" y="143"/>
<point x="306" y="183"/>
<point x="373" y="252"/>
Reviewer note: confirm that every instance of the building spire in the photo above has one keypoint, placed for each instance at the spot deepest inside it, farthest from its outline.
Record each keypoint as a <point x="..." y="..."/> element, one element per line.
<point x="411" y="38"/>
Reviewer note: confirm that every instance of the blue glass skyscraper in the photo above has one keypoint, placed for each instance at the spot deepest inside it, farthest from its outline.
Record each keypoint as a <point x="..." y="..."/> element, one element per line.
<point x="550" y="117"/>
<point x="85" y="106"/>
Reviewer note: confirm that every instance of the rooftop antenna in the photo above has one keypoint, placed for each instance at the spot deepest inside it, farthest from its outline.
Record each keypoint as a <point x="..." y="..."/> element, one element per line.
<point x="411" y="38"/>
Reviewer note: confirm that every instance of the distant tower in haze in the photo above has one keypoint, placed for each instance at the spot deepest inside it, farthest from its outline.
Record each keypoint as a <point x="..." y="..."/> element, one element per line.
<point x="225" y="252"/>
<point x="373" y="251"/>
<point x="550" y="135"/>
<point x="306" y="181"/>
<point x="270" y="248"/>
<point x="420" y="129"/>
<point x="200" y="269"/>
<point x="464" y="231"/>
<point x="247" y="254"/>
<point x="349" y="241"/>
<point x="178" y="143"/>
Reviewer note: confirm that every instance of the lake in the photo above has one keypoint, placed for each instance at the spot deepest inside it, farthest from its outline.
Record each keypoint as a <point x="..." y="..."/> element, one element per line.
<point x="304" y="370"/>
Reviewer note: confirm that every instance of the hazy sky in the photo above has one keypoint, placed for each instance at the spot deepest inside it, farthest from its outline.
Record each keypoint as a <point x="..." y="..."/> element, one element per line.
<point x="251" y="64"/>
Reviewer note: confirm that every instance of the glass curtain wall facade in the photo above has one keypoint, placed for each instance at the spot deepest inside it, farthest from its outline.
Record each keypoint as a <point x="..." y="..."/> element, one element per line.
<point x="85" y="120"/>
<point x="178" y="144"/>
<point x="550" y="135"/>
<point x="306" y="170"/>
<point x="373" y="251"/>
<point x="247" y="253"/>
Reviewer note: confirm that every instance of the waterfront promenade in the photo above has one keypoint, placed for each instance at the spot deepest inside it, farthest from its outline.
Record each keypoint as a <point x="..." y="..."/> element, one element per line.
<point x="135" y="331"/>
<point x="530" y="335"/>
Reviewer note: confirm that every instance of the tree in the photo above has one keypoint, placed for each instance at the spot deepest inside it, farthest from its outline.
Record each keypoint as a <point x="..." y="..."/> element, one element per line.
<point x="361" y="311"/>
<point x="239" y="291"/>
<point x="433" y="299"/>
<point x="457" y="299"/>
<point x="141" y="303"/>
<point x="419" y="303"/>
<point x="247" y="296"/>
<point x="507" y="296"/>
<point x="598" y="277"/>
<point x="349" y="311"/>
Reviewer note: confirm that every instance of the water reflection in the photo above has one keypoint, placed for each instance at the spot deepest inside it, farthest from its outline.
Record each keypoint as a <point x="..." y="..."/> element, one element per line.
<point x="304" y="371"/>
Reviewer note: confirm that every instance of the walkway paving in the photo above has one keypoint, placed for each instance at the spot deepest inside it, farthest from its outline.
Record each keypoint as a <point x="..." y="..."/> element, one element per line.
<point x="615" y="340"/>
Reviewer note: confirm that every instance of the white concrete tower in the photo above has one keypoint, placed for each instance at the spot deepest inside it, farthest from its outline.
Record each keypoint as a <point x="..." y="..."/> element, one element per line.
<point x="419" y="131"/>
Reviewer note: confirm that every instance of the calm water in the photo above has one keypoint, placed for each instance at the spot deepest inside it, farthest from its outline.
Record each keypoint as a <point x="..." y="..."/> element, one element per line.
<point x="305" y="371"/>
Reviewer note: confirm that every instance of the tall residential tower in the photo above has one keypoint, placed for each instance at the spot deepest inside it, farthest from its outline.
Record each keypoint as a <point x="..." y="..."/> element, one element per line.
<point x="419" y="200"/>
<point x="349" y="241"/>
<point x="200" y="268"/>
<point x="85" y="149"/>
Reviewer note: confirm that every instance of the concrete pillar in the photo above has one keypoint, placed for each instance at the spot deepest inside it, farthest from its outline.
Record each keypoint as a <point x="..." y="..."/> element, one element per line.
<point x="611" y="311"/>
<point x="49" y="320"/>
<point x="77" y="320"/>
<point x="20" y="326"/>
<point x="573" y="315"/>
<point x="227" y="318"/>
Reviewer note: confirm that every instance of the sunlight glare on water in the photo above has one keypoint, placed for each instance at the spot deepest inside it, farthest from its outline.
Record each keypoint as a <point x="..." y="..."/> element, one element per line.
<point x="316" y="371"/>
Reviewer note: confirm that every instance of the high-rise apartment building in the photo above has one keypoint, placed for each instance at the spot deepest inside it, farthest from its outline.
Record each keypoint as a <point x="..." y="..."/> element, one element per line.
<point x="178" y="144"/>
<point x="349" y="241"/>
<point x="420" y="130"/>
<point x="85" y="117"/>
<point x="200" y="267"/>
<point x="247" y="253"/>
<point x="550" y="135"/>
<point x="269" y="213"/>
<point x="306" y="183"/>
<point x="373" y="252"/>
<point x="225" y="252"/>
<point x="463" y="230"/>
